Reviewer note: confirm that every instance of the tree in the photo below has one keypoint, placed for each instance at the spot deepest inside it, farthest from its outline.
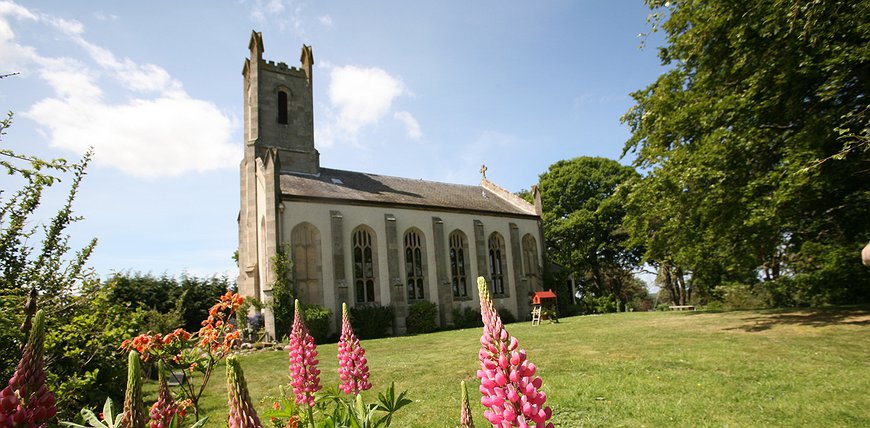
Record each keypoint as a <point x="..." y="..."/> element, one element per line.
<point x="168" y="302"/>
<point x="23" y="266"/>
<point x="283" y="291"/>
<point x="755" y="143"/>
<point x="83" y="330"/>
<point x="583" y="222"/>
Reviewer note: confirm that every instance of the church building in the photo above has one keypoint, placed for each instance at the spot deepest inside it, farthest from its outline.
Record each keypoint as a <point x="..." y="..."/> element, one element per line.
<point x="367" y="239"/>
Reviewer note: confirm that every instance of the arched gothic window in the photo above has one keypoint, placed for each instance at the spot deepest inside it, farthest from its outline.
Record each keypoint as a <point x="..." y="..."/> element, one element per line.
<point x="497" y="263"/>
<point x="530" y="255"/>
<point x="305" y="241"/>
<point x="364" y="274"/>
<point x="282" y="107"/>
<point x="458" y="263"/>
<point x="414" y="271"/>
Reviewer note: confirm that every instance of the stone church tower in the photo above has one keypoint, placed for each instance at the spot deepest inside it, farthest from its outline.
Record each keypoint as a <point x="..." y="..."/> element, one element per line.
<point x="278" y="137"/>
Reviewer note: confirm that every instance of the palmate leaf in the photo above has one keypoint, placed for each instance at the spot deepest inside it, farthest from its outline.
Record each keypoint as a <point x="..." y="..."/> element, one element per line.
<point x="390" y="403"/>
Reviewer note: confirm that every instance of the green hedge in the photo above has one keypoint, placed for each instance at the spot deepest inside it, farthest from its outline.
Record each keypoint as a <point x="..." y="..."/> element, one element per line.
<point x="422" y="318"/>
<point x="372" y="322"/>
<point x="317" y="320"/>
<point x="507" y="317"/>
<point x="466" y="318"/>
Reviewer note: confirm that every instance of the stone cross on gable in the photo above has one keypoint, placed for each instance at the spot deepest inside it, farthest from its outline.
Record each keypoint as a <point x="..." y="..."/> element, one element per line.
<point x="483" y="170"/>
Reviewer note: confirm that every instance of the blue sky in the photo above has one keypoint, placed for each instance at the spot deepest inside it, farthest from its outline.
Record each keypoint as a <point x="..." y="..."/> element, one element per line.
<point x="427" y="90"/>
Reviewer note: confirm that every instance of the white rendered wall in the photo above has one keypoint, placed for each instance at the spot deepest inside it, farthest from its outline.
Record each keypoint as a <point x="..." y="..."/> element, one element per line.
<point x="318" y="214"/>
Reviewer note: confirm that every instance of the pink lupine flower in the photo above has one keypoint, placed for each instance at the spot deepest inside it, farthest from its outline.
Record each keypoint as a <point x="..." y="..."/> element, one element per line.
<point x="352" y="364"/>
<point x="305" y="377"/>
<point x="465" y="420"/>
<point x="165" y="408"/>
<point x="511" y="391"/>
<point x="134" y="412"/>
<point x="25" y="401"/>
<point x="241" y="412"/>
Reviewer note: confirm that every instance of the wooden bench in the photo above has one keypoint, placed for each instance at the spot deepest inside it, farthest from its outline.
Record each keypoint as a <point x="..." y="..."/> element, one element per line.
<point x="681" y="308"/>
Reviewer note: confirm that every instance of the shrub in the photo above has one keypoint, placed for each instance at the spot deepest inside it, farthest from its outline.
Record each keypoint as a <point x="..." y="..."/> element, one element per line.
<point x="571" y="310"/>
<point x="421" y="318"/>
<point x="829" y="275"/>
<point x="714" y="306"/>
<point x="466" y="318"/>
<point x="742" y="296"/>
<point x="506" y="316"/>
<point x="600" y="305"/>
<point x="317" y="319"/>
<point x="372" y="322"/>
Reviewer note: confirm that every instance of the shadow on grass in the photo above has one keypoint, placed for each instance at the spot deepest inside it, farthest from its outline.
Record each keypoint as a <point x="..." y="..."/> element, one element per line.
<point x="815" y="317"/>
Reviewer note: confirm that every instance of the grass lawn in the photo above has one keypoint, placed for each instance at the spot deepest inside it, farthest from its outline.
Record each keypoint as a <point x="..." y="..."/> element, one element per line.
<point x="783" y="368"/>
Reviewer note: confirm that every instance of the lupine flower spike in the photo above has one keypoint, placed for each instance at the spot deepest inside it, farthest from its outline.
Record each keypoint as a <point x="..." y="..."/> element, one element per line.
<point x="25" y="401"/>
<point x="465" y="420"/>
<point x="165" y="408"/>
<point x="242" y="413"/>
<point x="134" y="412"/>
<point x="305" y="377"/>
<point x="507" y="379"/>
<point x="352" y="365"/>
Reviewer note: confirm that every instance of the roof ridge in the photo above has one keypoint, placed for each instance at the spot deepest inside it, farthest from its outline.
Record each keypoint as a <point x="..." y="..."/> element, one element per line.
<point x="400" y="178"/>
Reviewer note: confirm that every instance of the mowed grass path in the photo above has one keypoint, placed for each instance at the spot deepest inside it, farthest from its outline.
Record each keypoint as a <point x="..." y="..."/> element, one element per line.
<point x="788" y="368"/>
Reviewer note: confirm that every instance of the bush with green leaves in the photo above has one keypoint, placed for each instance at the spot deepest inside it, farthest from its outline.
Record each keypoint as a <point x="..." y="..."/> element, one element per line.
<point x="86" y="324"/>
<point x="600" y="305"/>
<point x="283" y="291"/>
<point x="466" y="318"/>
<point x="507" y="317"/>
<point x="735" y="296"/>
<point x="422" y="318"/>
<point x="372" y="322"/>
<point x="317" y="319"/>
<point x="187" y="298"/>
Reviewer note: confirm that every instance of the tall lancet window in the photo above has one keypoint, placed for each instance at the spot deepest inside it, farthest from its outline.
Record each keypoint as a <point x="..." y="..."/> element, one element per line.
<point x="363" y="265"/>
<point x="414" y="272"/>
<point x="497" y="263"/>
<point x="282" y="107"/>
<point x="458" y="262"/>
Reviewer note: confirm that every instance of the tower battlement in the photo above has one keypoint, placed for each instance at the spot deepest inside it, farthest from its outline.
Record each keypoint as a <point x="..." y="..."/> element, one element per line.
<point x="283" y="67"/>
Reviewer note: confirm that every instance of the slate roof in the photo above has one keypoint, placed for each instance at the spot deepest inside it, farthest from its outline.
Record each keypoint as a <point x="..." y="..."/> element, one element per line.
<point x="359" y="187"/>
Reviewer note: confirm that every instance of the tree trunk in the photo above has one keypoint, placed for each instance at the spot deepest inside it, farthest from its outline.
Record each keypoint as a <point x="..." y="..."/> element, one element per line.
<point x="681" y="285"/>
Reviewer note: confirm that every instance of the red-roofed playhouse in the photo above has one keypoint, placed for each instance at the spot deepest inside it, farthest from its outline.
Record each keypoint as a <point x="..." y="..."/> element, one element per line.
<point x="544" y="306"/>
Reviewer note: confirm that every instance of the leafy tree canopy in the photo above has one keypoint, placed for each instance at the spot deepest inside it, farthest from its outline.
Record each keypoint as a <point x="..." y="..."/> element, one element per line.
<point x="583" y="221"/>
<point x="755" y="141"/>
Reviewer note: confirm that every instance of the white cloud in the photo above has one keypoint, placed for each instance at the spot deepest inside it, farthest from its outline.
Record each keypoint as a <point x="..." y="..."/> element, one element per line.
<point x="146" y="138"/>
<point x="412" y="127"/>
<point x="325" y="20"/>
<point x="105" y="17"/>
<point x="362" y="96"/>
<point x="156" y="130"/>
<point x="15" y="57"/>
<point x="262" y="9"/>
<point x="17" y="11"/>
<point x="283" y="13"/>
